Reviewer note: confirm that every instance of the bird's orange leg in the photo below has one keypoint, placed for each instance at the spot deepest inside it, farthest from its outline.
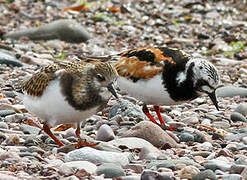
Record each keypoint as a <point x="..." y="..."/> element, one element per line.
<point x="147" y="113"/>
<point x="82" y="143"/>
<point x="157" y="110"/>
<point x="47" y="130"/>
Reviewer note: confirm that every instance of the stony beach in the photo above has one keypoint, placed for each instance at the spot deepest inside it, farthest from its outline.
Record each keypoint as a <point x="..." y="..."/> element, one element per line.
<point x="207" y="144"/>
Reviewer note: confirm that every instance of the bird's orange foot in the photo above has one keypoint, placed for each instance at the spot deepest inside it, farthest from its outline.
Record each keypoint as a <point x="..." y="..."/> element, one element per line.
<point x="84" y="143"/>
<point x="63" y="127"/>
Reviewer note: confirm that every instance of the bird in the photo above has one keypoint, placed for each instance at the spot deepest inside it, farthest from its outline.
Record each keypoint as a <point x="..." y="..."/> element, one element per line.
<point x="69" y="92"/>
<point x="163" y="76"/>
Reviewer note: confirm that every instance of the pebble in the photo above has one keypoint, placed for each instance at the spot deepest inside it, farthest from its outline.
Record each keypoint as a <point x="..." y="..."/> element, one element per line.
<point x="236" y="116"/>
<point x="64" y="29"/>
<point x="9" y="59"/>
<point x="126" y="108"/>
<point x="188" y="172"/>
<point x="231" y="177"/>
<point x="207" y="174"/>
<point x="242" y="109"/>
<point x="79" y="165"/>
<point x="230" y="91"/>
<point x="217" y="164"/>
<point x="7" y="177"/>
<point x="4" y="125"/>
<point x="152" y="133"/>
<point x="186" y="137"/>
<point x="153" y="175"/>
<point x="30" y="129"/>
<point x="4" y="113"/>
<point x="105" y="133"/>
<point x="96" y="156"/>
<point x="110" y="170"/>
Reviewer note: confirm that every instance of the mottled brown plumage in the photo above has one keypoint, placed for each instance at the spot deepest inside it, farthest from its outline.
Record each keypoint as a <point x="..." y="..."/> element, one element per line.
<point x="69" y="92"/>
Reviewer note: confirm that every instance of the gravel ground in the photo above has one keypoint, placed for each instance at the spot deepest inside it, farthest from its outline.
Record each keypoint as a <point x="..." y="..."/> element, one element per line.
<point x="208" y="144"/>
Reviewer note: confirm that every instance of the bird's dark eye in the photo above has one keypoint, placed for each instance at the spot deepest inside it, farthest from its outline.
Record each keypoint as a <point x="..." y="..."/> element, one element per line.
<point x="100" y="77"/>
<point x="200" y="67"/>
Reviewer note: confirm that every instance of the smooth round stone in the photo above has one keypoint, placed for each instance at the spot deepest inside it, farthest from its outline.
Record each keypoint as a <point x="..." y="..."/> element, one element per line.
<point x="30" y="129"/>
<point x="4" y="113"/>
<point x="4" y="125"/>
<point x="242" y="109"/>
<point x="78" y="165"/>
<point x="237" y="168"/>
<point x="206" y="146"/>
<point x="217" y="164"/>
<point x="2" y="137"/>
<point x="230" y="91"/>
<point x="236" y="116"/>
<point x="97" y="156"/>
<point x="153" y="175"/>
<point x="191" y="120"/>
<point x="244" y="139"/>
<point x="110" y="170"/>
<point x="105" y="133"/>
<point x="30" y="141"/>
<point x="14" y="118"/>
<point x="231" y="177"/>
<point x="206" y="122"/>
<point x="126" y="108"/>
<point x="161" y="164"/>
<point x="188" y="172"/>
<point x="207" y="174"/>
<point x="201" y="153"/>
<point x="186" y="137"/>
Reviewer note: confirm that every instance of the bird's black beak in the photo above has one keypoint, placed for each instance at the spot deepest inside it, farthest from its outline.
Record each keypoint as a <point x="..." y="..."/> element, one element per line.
<point x="112" y="90"/>
<point x="214" y="99"/>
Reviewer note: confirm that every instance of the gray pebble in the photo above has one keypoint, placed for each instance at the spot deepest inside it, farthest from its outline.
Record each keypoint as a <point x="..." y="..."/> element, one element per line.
<point x="105" y="133"/>
<point x="217" y="164"/>
<point x="230" y="91"/>
<point x="9" y="59"/>
<point x="126" y="108"/>
<point x="4" y="125"/>
<point x="30" y="142"/>
<point x="14" y="118"/>
<point x="153" y="175"/>
<point x="30" y="129"/>
<point x="161" y="163"/>
<point x="207" y="174"/>
<point x="186" y="137"/>
<point x="242" y="109"/>
<point x="236" y="116"/>
<point x="127" y="123"/>
<point x="237" y="168"/>
<point x="110" y="170"/>
<point x="4" y="113"/>
<point x="64" y="29"/>
<point x="232" y="177"/>
<point x="97" y="156"/>
<point x="2" y="137"/>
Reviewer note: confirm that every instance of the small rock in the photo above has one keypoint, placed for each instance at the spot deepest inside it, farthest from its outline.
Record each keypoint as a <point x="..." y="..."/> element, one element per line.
<point x="110" y="170"/>
<point x="12" y="140"/>
<point x="9" y="59"/>
<point x="236" y="116"/>
<point x="78" y="165"/>
<point x="147" y="153"/>
<point x="217" y="164"/>
<point x="186" y="137"/>
<point x="96" y="156"/>
<point x="105" y="133"/>
<point x="152" y="133"/>
<point x="237" y="168"/>
<point x="64" y="29"/>
<point x="242" y="109"/>
<point x="30" y="129"/>
<point x="190" y="120"/>
<point x="231" y="177"/>
<point x="4" y="125"/>
<point x="126" y="108"/>
<point x="4" y="113"/>
<point x="7" y="177"/>
<point x="188" y="172"/>
<point x="207" y="174"/>
<point x="230" y="91"/>
<point x="153" y="175"/>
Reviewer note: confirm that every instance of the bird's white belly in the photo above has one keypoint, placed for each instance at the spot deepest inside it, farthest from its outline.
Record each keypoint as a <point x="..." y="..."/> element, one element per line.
<point x="150" y="91"/>
<point x="53" y="108"/>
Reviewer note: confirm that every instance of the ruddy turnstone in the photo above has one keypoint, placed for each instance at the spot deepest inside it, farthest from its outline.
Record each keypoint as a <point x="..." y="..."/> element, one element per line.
<point x="69" y="92"/>
<point x="164" y="76"/>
